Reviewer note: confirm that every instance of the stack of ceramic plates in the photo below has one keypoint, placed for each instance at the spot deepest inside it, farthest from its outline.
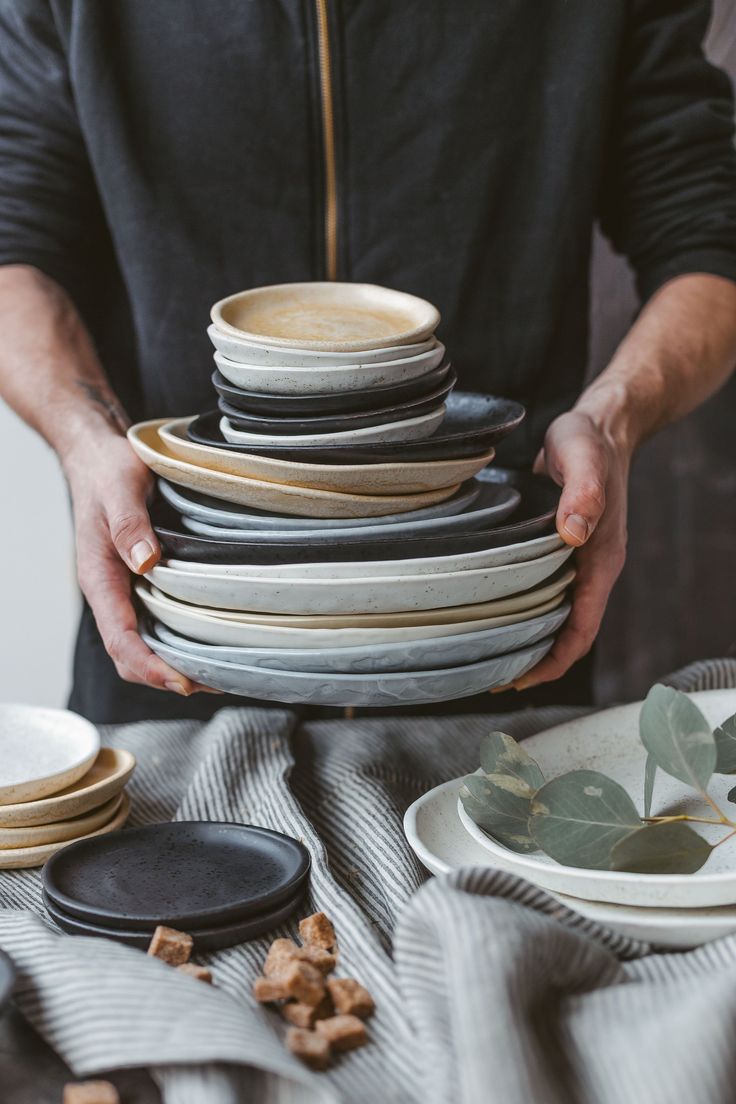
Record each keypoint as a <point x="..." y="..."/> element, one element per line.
<point x="311" y="528"/>
<point x="222" y="883"/>
<point x="56" y="784"/>
<point x="674" y="910"/>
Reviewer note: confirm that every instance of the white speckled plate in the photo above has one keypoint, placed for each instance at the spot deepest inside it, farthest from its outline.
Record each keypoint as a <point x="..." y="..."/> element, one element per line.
<point x="609" y="742"/>
<point x="436" y="835"/>
<point x="42" y="751"/>
<point x="372" y="691"/>
<point x="410" y="429"/>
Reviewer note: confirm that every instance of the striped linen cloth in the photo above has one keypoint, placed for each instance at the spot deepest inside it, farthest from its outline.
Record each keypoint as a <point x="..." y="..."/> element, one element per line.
<point x="494" y="992"/>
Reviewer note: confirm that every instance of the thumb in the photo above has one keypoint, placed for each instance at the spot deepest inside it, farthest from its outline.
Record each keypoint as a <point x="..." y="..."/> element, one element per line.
<point x="131" y="530"/>
<point x="579" y="463"/>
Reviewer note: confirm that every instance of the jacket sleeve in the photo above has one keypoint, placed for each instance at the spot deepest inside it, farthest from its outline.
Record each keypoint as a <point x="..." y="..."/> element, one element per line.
<point x="47" y="192"/>
<point x="669" y="186"/>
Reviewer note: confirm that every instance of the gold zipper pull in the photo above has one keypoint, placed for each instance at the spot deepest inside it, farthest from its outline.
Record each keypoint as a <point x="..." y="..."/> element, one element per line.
<point x="328" y="139"/>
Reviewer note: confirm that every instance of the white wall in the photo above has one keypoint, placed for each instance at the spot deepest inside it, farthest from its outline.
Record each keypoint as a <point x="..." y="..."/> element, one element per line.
<point x="39" y="602"/>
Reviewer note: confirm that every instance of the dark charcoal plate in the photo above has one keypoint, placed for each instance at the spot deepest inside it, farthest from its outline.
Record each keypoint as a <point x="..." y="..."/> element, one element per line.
<point x="205" y="939"/>
<point x="189" y="874"/>
<point x="532" y="518"/>
<point x="341" y="402"/>
<point x="7" y="978"/>
<point x="472" y="424"/>
<point x="337" y="423"/>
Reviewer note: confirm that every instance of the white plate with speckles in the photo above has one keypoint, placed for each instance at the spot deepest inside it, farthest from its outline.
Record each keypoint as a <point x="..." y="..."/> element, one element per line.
<point x="42" y="751"/>
<point x="410" y="429"/>
<point x="609" y="742"/>
<point x="437" y="837"/>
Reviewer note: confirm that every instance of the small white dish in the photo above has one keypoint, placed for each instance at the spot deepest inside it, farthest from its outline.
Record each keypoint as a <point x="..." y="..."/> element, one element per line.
<point x="436" y="835"/>
<point x="289" y="372"/>
<point x="609" y="742"/>
<point x="411" y="429"/>
<point x="378" y="594"/>
<point x="43" y="750"/>
<point x="326" y="316"/>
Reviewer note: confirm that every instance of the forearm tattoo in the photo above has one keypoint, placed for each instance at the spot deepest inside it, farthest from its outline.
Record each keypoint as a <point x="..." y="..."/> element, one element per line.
<point x="106" y="402"/>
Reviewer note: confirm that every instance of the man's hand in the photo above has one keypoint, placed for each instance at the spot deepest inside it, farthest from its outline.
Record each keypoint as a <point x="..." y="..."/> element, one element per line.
<point x="593" y="471"/>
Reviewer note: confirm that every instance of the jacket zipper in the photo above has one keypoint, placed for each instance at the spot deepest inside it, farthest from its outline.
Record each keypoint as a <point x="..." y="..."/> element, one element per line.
<point x="328" y="139"/>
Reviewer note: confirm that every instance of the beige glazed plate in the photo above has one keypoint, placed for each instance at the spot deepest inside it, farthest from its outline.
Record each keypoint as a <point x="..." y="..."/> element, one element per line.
<point x="326" y="316"/>
<point x="264" y="495"/>
<point x="401" y="478"/>
<point x="16" y="858"/>
<point x="105" y="778"/>
<point x="61" y="831"/>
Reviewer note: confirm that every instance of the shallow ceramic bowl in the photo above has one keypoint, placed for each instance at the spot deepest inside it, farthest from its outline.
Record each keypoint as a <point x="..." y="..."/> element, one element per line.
<point x="105" y="778"/>
<point x="332" y="402"/>
<point x="60" y="831"/>
<point x="420" y="655"/>
<point x="263" y="355"/>
<point x="18" y="858"/>
<point x="43" y="750"/>
<point x="349" y="478"/>
<point x="410" y="429"/>
<point x="326" y="316"/>
<point x="304" y="501"/>
<point x="385" y="594"/>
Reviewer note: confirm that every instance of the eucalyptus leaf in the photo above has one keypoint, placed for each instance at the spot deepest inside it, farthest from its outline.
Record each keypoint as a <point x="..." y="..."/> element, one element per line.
<point x="501" y="754"/>
<point x="673" y="848"/>
<point x="650" y="771"/>
<point x="725" y="738"/>
<point x="500" y="804"/>
<point x="579" y="817"/>
<point x="677" y="736"/>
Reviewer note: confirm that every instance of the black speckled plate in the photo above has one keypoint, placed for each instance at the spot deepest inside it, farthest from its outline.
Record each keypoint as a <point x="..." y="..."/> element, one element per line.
<point x="336" y="402"/>
<point x="188" y="874"/>
<point x="205" y="939"/>
<point x="7" y="978"/>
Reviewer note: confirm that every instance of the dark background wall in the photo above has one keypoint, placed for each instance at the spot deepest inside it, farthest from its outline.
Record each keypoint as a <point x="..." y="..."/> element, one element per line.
<point x="676" y="599"/>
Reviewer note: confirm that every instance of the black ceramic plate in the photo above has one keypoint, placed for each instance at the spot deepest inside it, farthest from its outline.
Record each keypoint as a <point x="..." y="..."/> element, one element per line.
<point x="337" y="423"/>
<point x="472" y="424"/>
<point x="189" y="874"/>
<point x="532" y="518"/>
<point x="7" y="978"/>
<point x="205" y="939"/>
<point x="340" y="402"/>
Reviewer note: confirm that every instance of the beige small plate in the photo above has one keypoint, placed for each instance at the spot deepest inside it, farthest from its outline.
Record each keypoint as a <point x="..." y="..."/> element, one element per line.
<point x="106" y="777"/>
<point x="62" y="830"/>
<point x="16" y="858"/>
<point x="400" y="478"/>
<point x="326" y="316"/>
<point x="280" y="498"/>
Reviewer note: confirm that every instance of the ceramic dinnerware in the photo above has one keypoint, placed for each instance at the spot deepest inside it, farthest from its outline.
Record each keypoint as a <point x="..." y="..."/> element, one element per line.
<point x="61" y="830"/>
<point x="410" y="429"/>
<point x="262" y="355"/>
<point x="105" y="778"/>
<point x="326" y="316"/>
<point x="21" y="857"/>
<point x="43" y="750"/>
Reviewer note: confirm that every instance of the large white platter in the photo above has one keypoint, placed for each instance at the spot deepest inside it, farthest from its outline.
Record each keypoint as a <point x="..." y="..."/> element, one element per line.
<point x="374" y="691"/>
<point x="609" y="742"/>
<point x="364" y="594"/>
<point x="42" y="751"/>
<point x="410" y="429"/>
<point x="269" y="633"/>
<point x="436" y="836"/>
<point x="418" y="655"/>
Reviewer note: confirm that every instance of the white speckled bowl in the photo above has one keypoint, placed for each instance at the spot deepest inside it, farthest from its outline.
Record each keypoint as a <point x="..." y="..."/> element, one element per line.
<point x="42" y="751"/>
<point x="411" y="429"/>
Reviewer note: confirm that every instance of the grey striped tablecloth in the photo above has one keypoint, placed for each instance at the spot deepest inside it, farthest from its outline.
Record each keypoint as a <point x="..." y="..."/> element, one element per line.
<point x="493" y="992"/>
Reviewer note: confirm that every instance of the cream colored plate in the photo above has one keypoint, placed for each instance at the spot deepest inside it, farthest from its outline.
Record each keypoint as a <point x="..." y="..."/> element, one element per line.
<point x="326" y="315"/>
<point x="106" y="777"/>
<point x="400" y="478"/>
<point x="60" y="831"/>
<point x="42" y="751"/>
<point x="276" y="497"/>
<point x="17" y="858"/>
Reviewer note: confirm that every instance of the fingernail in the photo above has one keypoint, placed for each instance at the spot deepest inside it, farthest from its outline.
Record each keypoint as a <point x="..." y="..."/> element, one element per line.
<point x="140" y="554"/>
<point x="502" y="689"/>
<point x="522" y="683"/>
<point x="576" y="527"/>
<point x="177" y="688"/>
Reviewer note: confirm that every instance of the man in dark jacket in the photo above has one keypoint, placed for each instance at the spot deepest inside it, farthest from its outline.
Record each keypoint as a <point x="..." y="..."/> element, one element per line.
<point x="157" y="156"/>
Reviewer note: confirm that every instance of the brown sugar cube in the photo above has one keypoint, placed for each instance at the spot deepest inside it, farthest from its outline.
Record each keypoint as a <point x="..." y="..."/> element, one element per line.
<point x="90" y="1092"/>
<point x="342" y="1032"/>
<point x="171" y="946"/>
<point x="325" y="961"/>
<point x="306" y="1015"/>
<point x="318" y="931"/>
<point x="304" y="982"/>
<point x="280" y="954"/>
<point x="266" y="989"/>
<point x="311" y="1048"/>
<point x="201" y="973"/>
<point x="350" y="997"/>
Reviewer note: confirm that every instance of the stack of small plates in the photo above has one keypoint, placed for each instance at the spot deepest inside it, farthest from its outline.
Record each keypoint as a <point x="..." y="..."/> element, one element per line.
<point x="671" y="910"/>
<point x="311" y="529"/>
<point x="56" y="784"/>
